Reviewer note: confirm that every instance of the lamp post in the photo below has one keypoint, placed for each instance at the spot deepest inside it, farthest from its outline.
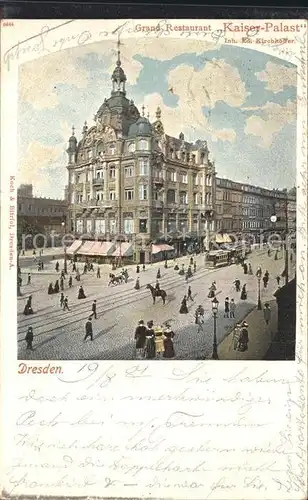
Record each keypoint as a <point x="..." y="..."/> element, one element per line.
<point x="19" y="294"/>
<point x="215" y="310"/>
<point x="65" y="256"/>
<point x="259" y="293"/>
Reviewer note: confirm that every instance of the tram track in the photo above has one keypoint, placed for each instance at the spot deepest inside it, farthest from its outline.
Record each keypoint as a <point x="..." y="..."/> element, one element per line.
<point x="115" y="301"/>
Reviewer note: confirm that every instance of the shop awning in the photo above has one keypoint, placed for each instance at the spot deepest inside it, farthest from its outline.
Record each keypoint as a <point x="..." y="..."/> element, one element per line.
<point x="86" y="247"/>
<point x="74" y="247"/>
<point x="124" y="249"/>
<point x="161" y="248"/>
<point x="223" y="238"/>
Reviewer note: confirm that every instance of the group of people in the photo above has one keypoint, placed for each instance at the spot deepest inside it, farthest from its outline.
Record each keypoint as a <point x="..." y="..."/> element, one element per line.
<point x="154" y="341"/>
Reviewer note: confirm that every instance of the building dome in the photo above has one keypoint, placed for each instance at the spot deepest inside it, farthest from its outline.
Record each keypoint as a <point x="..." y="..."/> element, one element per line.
<point x="141" y="127"/>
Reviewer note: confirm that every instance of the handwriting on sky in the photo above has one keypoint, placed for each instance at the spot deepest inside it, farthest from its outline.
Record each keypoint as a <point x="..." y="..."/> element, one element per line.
<point x="146" y="431"/>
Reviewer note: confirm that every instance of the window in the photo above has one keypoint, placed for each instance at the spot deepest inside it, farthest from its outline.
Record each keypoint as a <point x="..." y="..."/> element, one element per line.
<point x="79" y="225"/>
<point x="131" y="147"/>
<point x="112" y="172"/>
<point x="112" y="226"/>
<point x="195" y="179"/>
<point x="112" y="149"/>
<point x="143" y="226"/>
<point x="143" y="166"/>
<point x="143" y="192"/>
<point x="183" y="198"/>
<point x="79" y="198"/>
<point x="128" y="194"/>
<point x="171" y="175"/>
<point x="128" y="226"/>
<point x="171" y="196"/>
<point x="30" y="208"/>
<point x="89" y="225"/>
<point x="196" y="198"/>
<point x="129" y="171"/>
<point x="183" y="177"/>
<point x="100" y="195"/>
<point x="88" y="196"/>
<point x="99" y="174"/>
<point x="112" y="195"/>
<point x="100" y="226"/>
<point x="143" y="145"/>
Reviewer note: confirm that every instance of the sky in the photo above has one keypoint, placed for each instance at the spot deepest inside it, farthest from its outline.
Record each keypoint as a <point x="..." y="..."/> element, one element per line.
<point x="241" y="101"/>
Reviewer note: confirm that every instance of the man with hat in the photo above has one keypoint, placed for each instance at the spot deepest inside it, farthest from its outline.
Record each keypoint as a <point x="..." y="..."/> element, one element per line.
<point x="140" y="337"/>
<point x="89" y="329"/>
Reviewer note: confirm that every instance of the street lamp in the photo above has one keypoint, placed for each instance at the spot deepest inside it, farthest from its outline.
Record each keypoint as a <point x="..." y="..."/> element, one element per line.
<point x="65" y="257"/>
<point x="259" y="293"/>
<point x="19" y="294"/>
<point x="215" y="310"/>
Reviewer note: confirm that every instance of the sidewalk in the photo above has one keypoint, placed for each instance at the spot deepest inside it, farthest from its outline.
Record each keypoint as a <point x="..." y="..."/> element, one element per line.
<point x="260" y="336"/>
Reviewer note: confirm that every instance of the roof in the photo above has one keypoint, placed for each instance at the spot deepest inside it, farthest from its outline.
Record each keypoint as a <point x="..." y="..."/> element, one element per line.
<point x="141" y="127"/>
<point x="161" y="248"/>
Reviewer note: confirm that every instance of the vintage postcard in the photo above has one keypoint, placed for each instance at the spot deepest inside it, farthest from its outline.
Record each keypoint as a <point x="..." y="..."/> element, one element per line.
<point x="154" y="258"/>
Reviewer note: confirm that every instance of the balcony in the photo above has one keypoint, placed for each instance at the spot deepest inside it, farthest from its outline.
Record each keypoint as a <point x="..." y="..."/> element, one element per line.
<point x="158" y="181"/>
<point x="98" y="181"/>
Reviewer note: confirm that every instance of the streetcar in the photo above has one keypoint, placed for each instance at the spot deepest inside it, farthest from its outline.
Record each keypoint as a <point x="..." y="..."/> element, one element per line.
<point x="218" y="258"/>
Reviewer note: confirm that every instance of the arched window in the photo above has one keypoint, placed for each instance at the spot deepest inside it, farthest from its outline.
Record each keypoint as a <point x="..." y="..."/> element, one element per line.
<point x="171" y="153"/>
<point x="171" y="196"/>
<point x="132" y="147"/>
<point x="143" y="145"/>
<point x="112" y="148"/>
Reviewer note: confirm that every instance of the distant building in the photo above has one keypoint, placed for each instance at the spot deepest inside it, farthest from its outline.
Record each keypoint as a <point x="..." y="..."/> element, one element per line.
<point x="127" y="176"/>
<point x="244" y="209"/>
<point x="39" y="216"/>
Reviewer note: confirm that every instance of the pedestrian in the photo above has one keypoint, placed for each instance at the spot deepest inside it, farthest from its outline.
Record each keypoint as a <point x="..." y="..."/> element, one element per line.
<point x="56" y="287"/>
<point x="138" y="271"/>
<point x="85" y="268"/>
<point x="65" y="304"/>
<point x="98" y="272"/>
<point x="94" y="309"/>
<point x="140" y="338"/>
<point x="81" y="294"/>
<point x="143" y="267"/>
<point x="166" y="264"/>
<point x="276" y="255"/>
<point x="189" y="295"/>
<point x="74" y="268"/>
<point x="245" y="268"/>
<point x="200" y="322"/>
<point x="250" y="269"/>
<point x="89" y="329"/>
<point x="195" y="266"/>
<point x="278" y="280"/>
<point x="243" y="338"/>
<point x="237" y="284"/>
<point x="168" y="344"/>
<point x="42" y="266"/>
<point x="29" y="338"/>
<point x="183" y="308"/>
<point x="259" y="272"/>
<point x="244" y="292"/>
<point x="70" y="282"/>
<point x="269" y="252"/>
<point x="57" y="266"/>
<point x="267" y="313"/>
<point x="227" y="307"/>
<point x="199" y="312"/>
<point x="63" y="274"/>
<point x="61" y="284"/>
<point x="61" y="299"/>
<point x="158" y="275"/>
<point x="265" y="280"/>
<point x="150" y="348"/>
<point x="50" y="289"/>
<point x="137" y="285"/>
<point x="28" y="307"/>
<point x="232" y="308"/>
<point x="159" y="341"/>
<point x="29" y="279"/>
<point x="191" y="261"/>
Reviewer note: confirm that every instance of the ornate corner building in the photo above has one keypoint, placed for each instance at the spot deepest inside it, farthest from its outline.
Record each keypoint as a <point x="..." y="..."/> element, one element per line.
<point x="128" y="179"/>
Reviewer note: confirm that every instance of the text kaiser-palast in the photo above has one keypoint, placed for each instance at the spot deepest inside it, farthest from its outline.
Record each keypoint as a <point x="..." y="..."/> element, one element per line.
<point x="267" y="27"/>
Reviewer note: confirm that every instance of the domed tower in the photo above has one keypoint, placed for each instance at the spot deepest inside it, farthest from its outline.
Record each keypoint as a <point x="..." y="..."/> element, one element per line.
<point x="72" y="148"/>
<point x="117" y="111"/>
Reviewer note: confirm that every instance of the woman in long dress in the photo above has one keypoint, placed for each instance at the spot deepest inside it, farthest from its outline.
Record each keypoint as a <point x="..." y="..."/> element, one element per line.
<point x="183" y="308"/>
<point x="150" y="349"/>
<point x="244" y="293"/>
<point x="168" y="344"/>
<point x="81" y="294"/>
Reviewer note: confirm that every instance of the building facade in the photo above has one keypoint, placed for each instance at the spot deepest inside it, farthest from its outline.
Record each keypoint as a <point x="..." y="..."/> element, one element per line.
<point x="243" y="209"/>
<point x="127" y="178"/>
<point x="37" y="215"/>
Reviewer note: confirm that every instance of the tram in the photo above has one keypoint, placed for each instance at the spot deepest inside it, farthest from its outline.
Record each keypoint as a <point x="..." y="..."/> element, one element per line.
<point x="218" y="258"/>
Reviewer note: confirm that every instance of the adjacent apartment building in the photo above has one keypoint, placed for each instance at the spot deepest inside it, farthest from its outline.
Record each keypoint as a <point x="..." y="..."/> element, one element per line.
<point x="127" y="178"/>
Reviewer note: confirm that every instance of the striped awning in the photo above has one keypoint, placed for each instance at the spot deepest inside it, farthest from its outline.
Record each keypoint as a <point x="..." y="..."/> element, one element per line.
<point x="74" y="247"/>
<point x="223" y="238"/>
<point x="124" y="249"/>
<point x="87" y="247"/>
<point x="161" y="248"/>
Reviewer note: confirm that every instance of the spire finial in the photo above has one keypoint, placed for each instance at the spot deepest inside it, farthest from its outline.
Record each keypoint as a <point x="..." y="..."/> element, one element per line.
<point x="143" y="108"/>
<point x="148" y="116"/>
<point x="73" y="130"/>
<point x="158" y="113"/>
<point x="119" y="51"/>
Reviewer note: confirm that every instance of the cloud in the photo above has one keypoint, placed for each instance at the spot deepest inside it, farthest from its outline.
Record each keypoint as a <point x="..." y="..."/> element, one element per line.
<point x="39" y="79"/>
<point x="273" y="118"/>
<point x="277" y="77"/>
<point x="44" y="167"/>
<point x="224" y="134"/>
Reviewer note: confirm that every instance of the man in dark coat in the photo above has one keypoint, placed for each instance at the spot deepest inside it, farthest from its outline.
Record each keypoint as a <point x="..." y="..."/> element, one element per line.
<point x="57" y="266"/>
<point x="98" y="272"/>
<point x="89" y="329"/>
<point x="140" y="337"/>
<point x="29" y="338"/>
<point x="94" y="309"/>
<point x="29" y="279"/>
<point x="70" y="282"/>
<point x="227" y="307"/>
<point x="62" y="283"/>
<point x="189" y="295"/>
<point x="65" y="304"/>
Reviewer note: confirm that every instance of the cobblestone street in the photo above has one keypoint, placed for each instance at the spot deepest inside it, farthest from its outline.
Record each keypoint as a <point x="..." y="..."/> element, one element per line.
<point x="59" y="334"/>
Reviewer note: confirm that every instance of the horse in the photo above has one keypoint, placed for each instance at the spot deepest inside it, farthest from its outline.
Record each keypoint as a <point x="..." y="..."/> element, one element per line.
<point x="115" y="280"/>
<point x="157" y="293"/>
